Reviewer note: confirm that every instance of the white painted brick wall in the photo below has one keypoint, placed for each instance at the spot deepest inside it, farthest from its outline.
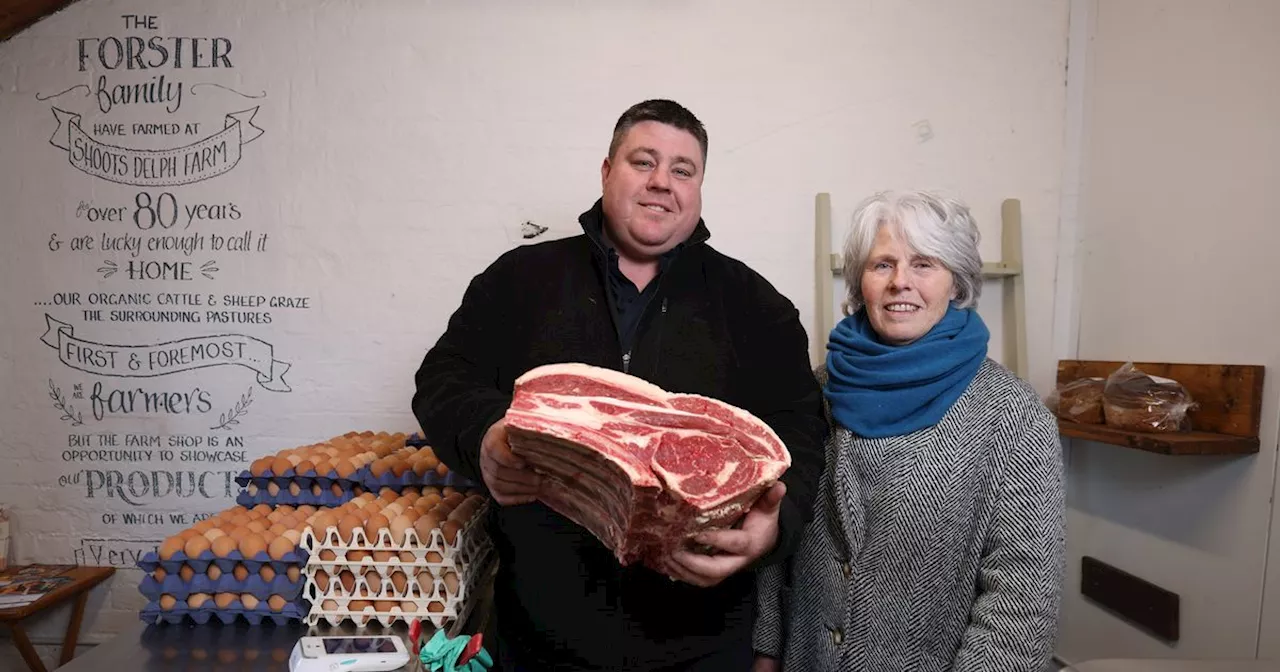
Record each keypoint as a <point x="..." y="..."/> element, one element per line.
<point x="403" y="145"/>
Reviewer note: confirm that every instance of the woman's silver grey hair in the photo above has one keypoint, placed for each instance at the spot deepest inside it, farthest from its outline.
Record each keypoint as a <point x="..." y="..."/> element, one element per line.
<point x="932" y="225"/>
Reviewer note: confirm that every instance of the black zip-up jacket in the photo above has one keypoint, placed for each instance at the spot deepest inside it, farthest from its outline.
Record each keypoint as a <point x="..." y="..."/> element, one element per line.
<point x="714" y="327"/>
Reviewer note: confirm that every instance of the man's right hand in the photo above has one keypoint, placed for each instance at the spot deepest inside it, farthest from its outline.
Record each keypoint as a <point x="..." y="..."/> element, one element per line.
<point x="509" y="480"/>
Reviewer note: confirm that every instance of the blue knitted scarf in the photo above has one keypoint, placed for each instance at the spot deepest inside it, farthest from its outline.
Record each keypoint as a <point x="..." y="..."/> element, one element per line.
<point x="879" y="390"/>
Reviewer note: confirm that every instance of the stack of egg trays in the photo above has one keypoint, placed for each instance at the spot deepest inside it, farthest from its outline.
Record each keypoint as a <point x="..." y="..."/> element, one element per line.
<point x="470" y="556"/>
<point x="291" y="591"/>
<point x="259" y="493"/>
<point x="409" y="479"/>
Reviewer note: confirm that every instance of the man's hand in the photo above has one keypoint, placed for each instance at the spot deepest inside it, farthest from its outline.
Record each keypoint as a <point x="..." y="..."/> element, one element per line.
<point x="737" y="548"/>
<point x="766" y="664"/>
<point x="509" y="480"/>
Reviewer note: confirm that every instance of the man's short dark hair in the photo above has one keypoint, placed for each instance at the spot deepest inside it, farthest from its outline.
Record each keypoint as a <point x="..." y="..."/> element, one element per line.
<point x="663" y="111"/>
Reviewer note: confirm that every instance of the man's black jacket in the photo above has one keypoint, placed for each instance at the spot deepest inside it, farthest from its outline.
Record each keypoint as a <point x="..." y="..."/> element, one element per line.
<point x="715" y="328"/>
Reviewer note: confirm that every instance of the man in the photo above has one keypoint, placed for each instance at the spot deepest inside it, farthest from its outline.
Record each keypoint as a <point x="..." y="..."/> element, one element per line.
<point x="640" y="291"/>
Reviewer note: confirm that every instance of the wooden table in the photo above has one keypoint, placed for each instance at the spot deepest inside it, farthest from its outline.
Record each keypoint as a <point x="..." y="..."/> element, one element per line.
<point x="82" y="580"/>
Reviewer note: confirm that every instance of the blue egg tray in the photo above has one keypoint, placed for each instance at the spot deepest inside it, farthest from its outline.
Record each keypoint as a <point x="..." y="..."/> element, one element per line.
<point x="325" y="499"/>
<point x="227" y="583"/>
<point x="304" y="481"/>
<point x="411" y="480"/>
<point x="293" y="611"/>
<point x="200" y="564"/>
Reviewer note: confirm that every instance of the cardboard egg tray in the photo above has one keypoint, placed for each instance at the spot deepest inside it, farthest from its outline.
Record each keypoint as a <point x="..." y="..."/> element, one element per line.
<point x="227" y="583"/>
<point x="295" y="610"/>
<point x="304" y="481"/>
<point x="296" y="557"/>
<point x="252" y="496"/>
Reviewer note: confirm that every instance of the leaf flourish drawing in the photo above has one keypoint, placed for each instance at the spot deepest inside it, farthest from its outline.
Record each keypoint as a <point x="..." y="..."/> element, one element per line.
<point x="68" y="413"/>
<point x="229" y="418"/>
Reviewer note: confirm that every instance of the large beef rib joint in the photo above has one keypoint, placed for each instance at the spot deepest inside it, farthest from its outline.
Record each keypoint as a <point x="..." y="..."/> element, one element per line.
<point x="640" y="468"/>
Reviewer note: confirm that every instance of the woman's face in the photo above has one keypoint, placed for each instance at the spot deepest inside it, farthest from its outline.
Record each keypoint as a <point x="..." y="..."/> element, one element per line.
<point x="905" y="292"/>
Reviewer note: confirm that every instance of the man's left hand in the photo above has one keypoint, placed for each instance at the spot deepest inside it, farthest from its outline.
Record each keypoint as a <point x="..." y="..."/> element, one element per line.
<point x="736" y="548"/>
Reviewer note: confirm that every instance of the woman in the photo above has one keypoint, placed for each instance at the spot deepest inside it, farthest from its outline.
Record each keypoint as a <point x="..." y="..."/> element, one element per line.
<point x="937" y="541"/>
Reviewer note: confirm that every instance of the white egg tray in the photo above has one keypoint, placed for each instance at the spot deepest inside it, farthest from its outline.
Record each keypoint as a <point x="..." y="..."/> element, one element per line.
<point x="436" y="602"/>
<point x="469" y="558"/>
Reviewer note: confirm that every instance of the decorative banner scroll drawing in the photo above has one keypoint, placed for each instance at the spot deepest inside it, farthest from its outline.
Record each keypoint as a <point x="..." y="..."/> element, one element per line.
<point x="197" y="161"/>
<point x="161" y="359"/>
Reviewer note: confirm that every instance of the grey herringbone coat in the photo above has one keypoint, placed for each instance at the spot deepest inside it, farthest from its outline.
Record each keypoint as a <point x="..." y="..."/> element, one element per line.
<point x="938" y="550"/>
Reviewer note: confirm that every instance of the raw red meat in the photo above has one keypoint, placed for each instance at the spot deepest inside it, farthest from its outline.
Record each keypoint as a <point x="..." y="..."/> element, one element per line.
<point x="640" y="468"/>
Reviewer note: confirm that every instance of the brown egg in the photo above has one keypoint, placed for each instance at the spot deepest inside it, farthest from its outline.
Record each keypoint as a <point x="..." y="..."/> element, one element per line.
<point x="251" y="545"/>
<point x="329" y="605"/>
<point x="442" y="470"/>
<point x="240" y="572"/>
<point x="170" y="546"/>
<point x="322" y="580"/>
<point x="450" y="529"/>
<point x="268" y="573"/>
<point x="203" y="526"/>
<point x="387" y="495"/>
<point x="393" y="509"/>
<point x="214" y="534"/>
<point x="260" y="466"/>
<point x="365" y="514"/>
<point x="280" y="547"/>
<point x="293" y="572"/>
<point x="328" y="555"/>
<point x="224" y="600"/>
<point x="347" y="527"/>
<point x="345" y="469"/>
<point x="448" y="490"/>
<point x="273" y="489"/>
<point x="412" y="514"/>
<point x="358" y="606"/>
<point x="214" y="572"/>
<point x="195" y="546"/>
<point x="374" y="581"/>
<point x="223" y="546"/>
<point x="186" y="573"/>
<point x="426" y="583"/>
<point x="252" y="489"/>
<point x="435" y="607"/>
<point x="348" y="581"/>
<point x="249" y="601"/>
<point x="408" y="556"/>
<point x="420" y="468"/>
<point x="385" y="606"/>
<point x="293" y="536"/>
<point x="159" y="574"/>
<point x="306" y="511"/>
<point x="263" y="510"/>
<point x="168" y="602"/>
<point x="257" y="526"/>
<point x="434" y="557"/>
<point x="280" y="465"/>
<point x="295" y="489"/>
<point x="451" y="582"/>
<point x="409" y="607"/>
<point x="323" y="467"/>
<point x="398" y="528"/>
<point x="384" y="556"/>
<point x="377" y="469"/>
<point x="277" y="603"/>
<point x="400" y="582"/>
<point x="279" y="529"/>
<point x="398" y="466"/>
<point x="377" y="523"/>
<point x="197" y="600"/>
<point x="356" y="556"/>
<point x="428" y="502"/>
